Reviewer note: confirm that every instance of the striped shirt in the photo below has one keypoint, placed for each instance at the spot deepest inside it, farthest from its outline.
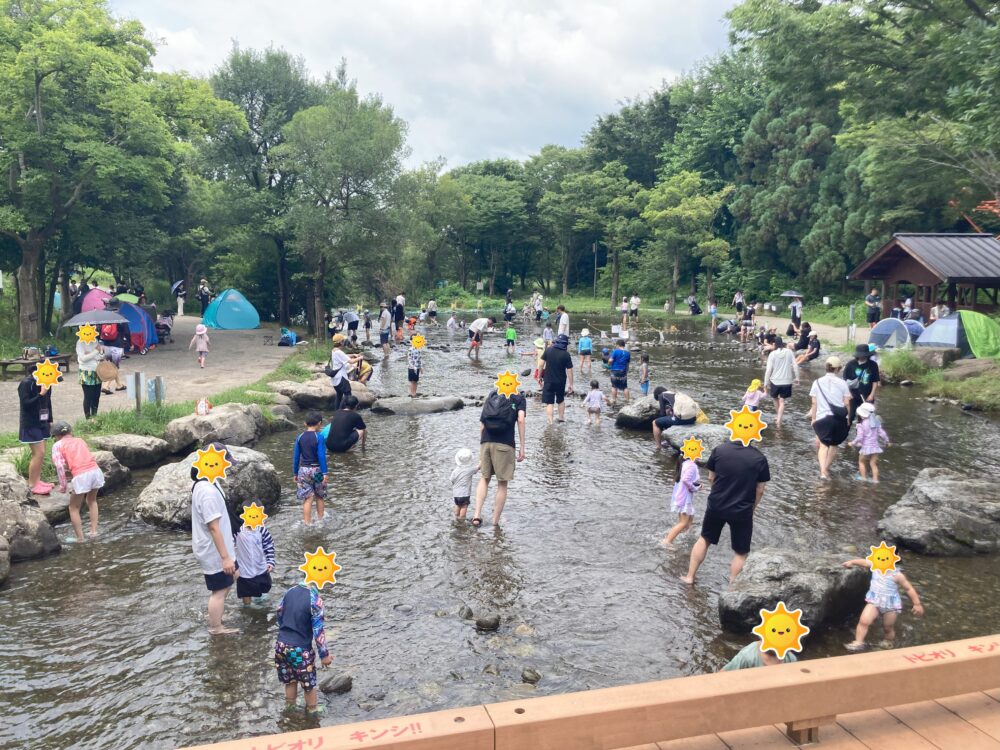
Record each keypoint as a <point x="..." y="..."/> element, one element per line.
<point x="254" y="551"/>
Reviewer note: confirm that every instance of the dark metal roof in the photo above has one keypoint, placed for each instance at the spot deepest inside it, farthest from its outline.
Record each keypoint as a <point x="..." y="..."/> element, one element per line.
<point x="951" y="257"/>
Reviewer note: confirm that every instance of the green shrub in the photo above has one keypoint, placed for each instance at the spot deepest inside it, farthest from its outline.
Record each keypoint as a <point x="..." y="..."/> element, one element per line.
<point x="901" y="365"/>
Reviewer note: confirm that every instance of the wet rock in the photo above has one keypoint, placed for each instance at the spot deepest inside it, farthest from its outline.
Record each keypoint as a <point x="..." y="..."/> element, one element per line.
<point x="441" y="613"/>
<point x="906" y="383"/>
<point x="282" y="418"/>
<point x="638" y="414"/>
<point x="337" y="684"/>
<point x="817" y="584"/>
<point x="526" y="372"/>
<point x="530" y="676"/>
<point x="488" y="623"/>
<point x="232" y="424"/>
<point x="404" y="608"/>
<point x="318" y="393"/>
<point x="491" y="669"/>
<point x="166" y="501"/>
<point x="524" y="630"/>
<point x="945" y="513"/>
<point x="29" y="534"/>
<point x="133" y="451"/>
<point x="4" y="560"/>
<point x="405" y="406"/>
<point x="377" y="696"/>
<point x="115" y="475"/>
<point x="466" y="612"/>
<point x="710" y="435"/>
<point x="13" y="487"/>
<point x="55" y="506"/>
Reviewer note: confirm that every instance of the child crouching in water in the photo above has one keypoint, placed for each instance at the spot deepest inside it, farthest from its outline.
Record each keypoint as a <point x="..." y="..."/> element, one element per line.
<point x="72" y="453"/>
<point x="753" y="395"/>
<point x="461" y="481"/>
<point x="594" y="403"/>
<point x="869" y="439"/>
<point x="300" y="622"/>
<point x="883" y="599"/>
<point x="687" y="481"/>
<point x="255" y="557"/>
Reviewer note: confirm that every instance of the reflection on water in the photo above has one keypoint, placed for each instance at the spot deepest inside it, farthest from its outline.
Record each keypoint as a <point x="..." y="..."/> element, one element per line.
<point x="105" y="645"/>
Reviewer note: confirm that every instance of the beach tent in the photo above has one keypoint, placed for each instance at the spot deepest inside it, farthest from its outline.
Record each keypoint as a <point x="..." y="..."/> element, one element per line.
<point x="915" y="327"/>
<point x="140" y="326"/>
<point x="231" y="311"/>
<point x="970" y="332"/>
<point x="95" y="300"/>
<point x="889" y="333"/>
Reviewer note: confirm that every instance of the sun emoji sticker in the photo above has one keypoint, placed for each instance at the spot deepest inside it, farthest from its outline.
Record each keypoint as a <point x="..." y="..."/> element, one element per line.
<point x="87" y="334"/>
<point x="320" y="567"/>
<point x="507" y="383"/>
<point x="46" y="374"/>
<point x="883" y="558"/>
<point x="692" y="448"/>
<point x="745" y="426"/>
<point x="253" y="516"/>
<point x="781" y="630"/>
<point x="211" y="464"/>
<point x="418" y="341"/>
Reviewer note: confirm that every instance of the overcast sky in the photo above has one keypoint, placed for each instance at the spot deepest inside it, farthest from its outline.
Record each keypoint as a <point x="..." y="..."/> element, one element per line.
<point x="473" y="79"/>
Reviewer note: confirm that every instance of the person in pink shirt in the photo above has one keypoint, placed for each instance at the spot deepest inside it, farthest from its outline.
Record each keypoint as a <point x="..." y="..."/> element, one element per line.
<point x="869" y="439"/>
<point x="753" y="395"/>
<point x="72" y="454"/>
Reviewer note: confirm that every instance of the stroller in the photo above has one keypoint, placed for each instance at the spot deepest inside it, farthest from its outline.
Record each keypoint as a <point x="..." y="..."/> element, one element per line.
<point x="164" y="325"/>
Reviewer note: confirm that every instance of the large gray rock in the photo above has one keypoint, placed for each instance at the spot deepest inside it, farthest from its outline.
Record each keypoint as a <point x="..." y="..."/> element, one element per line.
<point x="28" y="533"/>
<point x="945" y="513"/>
<point x="710" y="435"/>
<point x="319" y="394"/>
<point x="166" y="501"/>
<point x="638" y="414"/>
<point x="232" y="424"/>
<point x="282" y="418"/>
<point x="115" y="475"/>
<point x="405" y="406"/>
<point x="133" y="451"/>
<point x="4" y="560"/>
<point x="55" y="506"/>
<point x="819" y="585"/>
<point x="13" y="487"/>
<point x="936" y="357"/>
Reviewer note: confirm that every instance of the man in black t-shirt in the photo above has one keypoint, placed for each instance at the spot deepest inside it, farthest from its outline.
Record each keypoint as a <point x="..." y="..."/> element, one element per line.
<point x="862" y="377"/>
<point x="558" y="367"/>
<point x="737" y="475"/>
<point x="346" y="427"/>
<point x="496" y="456"/>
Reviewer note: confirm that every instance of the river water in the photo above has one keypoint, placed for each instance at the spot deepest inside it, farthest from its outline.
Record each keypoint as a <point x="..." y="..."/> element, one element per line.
<point x="104" y="645"/>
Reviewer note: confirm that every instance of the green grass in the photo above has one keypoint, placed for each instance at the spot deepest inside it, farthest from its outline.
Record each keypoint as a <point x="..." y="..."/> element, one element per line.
<point x="981" y="391"/>
<point x="901" y="365"/>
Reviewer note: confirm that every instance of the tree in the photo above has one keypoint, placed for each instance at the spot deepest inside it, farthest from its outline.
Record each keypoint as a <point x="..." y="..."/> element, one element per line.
<point x="547" y="172"/>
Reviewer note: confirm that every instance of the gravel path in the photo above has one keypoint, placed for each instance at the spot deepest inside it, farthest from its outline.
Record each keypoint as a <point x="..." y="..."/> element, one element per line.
<point x="236" y="358"/>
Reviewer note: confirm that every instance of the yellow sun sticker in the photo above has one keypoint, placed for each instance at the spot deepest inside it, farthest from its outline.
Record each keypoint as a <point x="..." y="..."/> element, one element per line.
<point x="781" y="630"/>
<point x="253" y="516"/>
<point x="693" y="448"/>
<point x="211" y="464"/>
<point x="87" y="333"/>
<point x="745" y="426"/>
<point x="320" y="567"/>
<point x="507" y="383"/>
<point x="46" y="373"/>
<point x="418" y="341"/>
<point x="883" y="558"/>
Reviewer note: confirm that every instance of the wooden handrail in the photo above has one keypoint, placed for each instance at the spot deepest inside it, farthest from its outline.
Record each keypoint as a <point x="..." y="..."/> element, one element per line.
<point x="803" y="695"/>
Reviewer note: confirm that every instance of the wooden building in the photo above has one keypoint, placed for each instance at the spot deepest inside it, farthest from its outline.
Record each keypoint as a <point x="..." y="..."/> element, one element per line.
<point x="962" y="269"/>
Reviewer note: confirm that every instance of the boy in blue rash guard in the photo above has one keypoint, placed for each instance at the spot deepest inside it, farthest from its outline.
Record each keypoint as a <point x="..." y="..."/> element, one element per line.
<point x="309" y="466"/>
<point x="300" y="622"/>
<point x="618" y="364"/>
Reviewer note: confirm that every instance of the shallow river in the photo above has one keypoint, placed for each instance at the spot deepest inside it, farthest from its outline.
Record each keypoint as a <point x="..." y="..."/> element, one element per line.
<point x="104" y="645"/>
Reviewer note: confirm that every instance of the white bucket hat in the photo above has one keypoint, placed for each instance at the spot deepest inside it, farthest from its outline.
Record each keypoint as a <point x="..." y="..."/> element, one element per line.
<point x="585" y="332"/>
<point x="463" y="457"/>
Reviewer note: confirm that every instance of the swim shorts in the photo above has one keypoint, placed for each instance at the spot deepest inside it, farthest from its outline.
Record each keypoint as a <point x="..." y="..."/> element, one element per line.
<point x="740" y="531"/>
<point x="309" y="483"/>
<point x="295" y="664"/>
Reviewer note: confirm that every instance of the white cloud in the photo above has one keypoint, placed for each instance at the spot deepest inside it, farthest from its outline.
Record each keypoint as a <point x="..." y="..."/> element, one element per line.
<point x="473" y="79"/>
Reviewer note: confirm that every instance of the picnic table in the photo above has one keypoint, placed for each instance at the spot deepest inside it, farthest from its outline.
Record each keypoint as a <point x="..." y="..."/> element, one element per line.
<point x="61" y="360"/>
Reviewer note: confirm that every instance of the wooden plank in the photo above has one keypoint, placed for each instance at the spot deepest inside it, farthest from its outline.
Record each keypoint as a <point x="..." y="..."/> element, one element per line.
<point x="994" y="694"/>
<point x="758" y="738"/>
<point x="835" y="737"/>
<point x="705" y="742"/>
<point x="979" y="709"/>
<point x="942" y="727"/>
<point x="878" y="728"/>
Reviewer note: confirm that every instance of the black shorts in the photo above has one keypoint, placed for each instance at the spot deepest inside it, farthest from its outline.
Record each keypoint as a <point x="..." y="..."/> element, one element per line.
<point x="586" y="353"/>
<point x="342" y="446"/>
<point x="831" y="430"/>
<point x="538" y="315"/>
<point x="553" y="394"/>
<point x="399" y="325"/>
<point x="253" y="587"/>
<point x="462" y="502"/>
<point x="353" y="326"/>
<point x="34" y="434"/>
<point x="739" y="307"/>
<point x="475" y="336"/>
<point x="218" y="581"/>
<point x="740" y="531"/>
<point x="412" y="376"/>
<point x="383" y="336"/>
<point x="780" y="391"/>
<point x="432" y="313"/>
<point x="873" y="315"/>
<point x="633" y="313"/>
<point x="619" y="382"/>
<point x="665" y="423"/>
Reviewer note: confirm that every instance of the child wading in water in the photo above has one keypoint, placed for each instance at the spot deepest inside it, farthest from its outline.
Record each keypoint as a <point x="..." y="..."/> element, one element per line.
<point x="594" y="403"/>
<point x="461" y="481"/>
<point x="199" y="342"/>
<point x="869" y="439"/>
<point x="309" y="466"/>
<point x="687" y="481"/>
<point x="413" y="367"/>
<point x="644" y="374"/>
<point x="255" y="556"/>
<point x="510" y="337"/>
<point x="300" y="622"/>
<point x="585" y="347"/>
<point x="883" y="599"/>
<point x="72" y="453"/>
<point x="753" y="395"/>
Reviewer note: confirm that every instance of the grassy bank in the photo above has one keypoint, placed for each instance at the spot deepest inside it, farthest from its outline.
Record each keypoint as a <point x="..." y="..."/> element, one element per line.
<point x="980" y="392"/>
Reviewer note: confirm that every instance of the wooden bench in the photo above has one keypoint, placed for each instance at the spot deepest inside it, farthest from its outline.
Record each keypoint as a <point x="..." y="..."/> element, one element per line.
<point x="60" y="360"/>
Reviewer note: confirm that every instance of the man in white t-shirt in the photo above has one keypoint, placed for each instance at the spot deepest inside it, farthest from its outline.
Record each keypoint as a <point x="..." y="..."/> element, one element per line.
<point x="384" y="327"/>
<point x="633" y="306"/>
<point x="563" y="322"/>
<point x="476" y="329"/>
<point x="432" y="311"/>
<point x="212" y="544"/>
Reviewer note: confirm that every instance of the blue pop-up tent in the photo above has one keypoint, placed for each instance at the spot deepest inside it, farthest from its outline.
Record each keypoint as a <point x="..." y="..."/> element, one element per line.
<point x="140" y="326"/>
<point x="231" y="311"/>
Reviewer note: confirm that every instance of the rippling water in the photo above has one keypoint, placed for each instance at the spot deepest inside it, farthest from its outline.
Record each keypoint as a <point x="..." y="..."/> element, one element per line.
<point x="104" y="646"/>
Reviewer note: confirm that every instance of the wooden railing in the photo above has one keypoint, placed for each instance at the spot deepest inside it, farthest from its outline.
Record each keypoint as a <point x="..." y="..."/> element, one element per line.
<point x="803" y="695"/>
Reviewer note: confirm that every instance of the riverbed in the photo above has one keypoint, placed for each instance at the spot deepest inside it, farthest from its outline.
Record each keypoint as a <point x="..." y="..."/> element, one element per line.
<point x="105" y="646"/>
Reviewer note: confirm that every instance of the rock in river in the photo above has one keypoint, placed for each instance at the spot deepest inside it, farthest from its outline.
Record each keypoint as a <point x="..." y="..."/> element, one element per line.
<point x="166" y="501"/>
<point x="4" y="560"/>
<point x="488" y="623"/>
<point x="337" y="684"/>
<point x="115" y="475"/>
<point x="530" y="676"/>
<point x="319" y="394"/>
<point x="405" y="406"/>
<point x="817" y="584"/>
<point x="945" y="513"/>
<point x="28" y="533"/>
<point x="710" y="435"/>
<point x="638" y="414"/>
<point x="133" y="451"/>
<point x="232" y="424"/>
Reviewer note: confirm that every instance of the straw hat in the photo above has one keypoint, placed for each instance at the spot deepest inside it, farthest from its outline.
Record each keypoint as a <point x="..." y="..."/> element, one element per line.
<point x="338" y="339"/>
<point x="540" y="343"/>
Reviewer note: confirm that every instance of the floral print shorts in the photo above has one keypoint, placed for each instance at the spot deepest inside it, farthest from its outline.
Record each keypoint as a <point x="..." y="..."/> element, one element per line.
<point x="295" y="664"/>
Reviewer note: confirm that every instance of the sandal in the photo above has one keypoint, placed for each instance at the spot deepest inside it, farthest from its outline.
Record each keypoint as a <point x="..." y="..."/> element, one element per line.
<point x="477" y="522"/>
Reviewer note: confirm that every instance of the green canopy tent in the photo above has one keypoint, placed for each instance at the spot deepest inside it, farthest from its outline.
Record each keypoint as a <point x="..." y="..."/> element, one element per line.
<point x="972" y="333"/>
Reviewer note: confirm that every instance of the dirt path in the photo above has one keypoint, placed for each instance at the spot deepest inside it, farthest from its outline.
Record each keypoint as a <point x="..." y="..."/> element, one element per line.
<point x="236" y="358"/>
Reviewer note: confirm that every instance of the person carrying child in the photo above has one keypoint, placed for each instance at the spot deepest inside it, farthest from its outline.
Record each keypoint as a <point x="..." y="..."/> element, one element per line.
<point x="594" y="403"/>
<point x="644" y="374"/>
<point x="461" y="481"/>
<point x="255" y="559"/>
<point x="199" y="342"/>
<point x="869" y="438"/>
<point x="301" y="622"/>
<point x="687" y="481"/>
<point x="754" y="394"/>
<point x="510" y="337"/>
<point x="585" y="348"/>
<point x="883" y="597"/>
<point x="72" y="454"/>
<point x="309" y="467"/>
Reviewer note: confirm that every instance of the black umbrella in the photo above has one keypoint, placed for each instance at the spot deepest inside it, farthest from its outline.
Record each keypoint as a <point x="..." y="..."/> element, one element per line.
<point x="95" y="318"/>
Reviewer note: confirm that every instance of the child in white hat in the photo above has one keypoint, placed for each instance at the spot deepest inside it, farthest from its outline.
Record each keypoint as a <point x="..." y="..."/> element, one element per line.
<point x="869" y="440"/>
<point x="461" y="481"/>
<point x="199" y="342"/>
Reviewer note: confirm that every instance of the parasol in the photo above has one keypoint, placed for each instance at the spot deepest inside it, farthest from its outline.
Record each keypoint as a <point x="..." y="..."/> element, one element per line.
<point x="95" y="318"/>
<point x="790" y="293"/>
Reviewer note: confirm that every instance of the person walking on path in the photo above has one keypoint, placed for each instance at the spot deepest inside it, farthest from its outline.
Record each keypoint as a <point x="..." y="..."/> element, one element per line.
<point x="384" y="327"/>
<point x="88" y="356"/>
<point x="72" y="454"/>
<point x="738" y="301"/>
<point x="829" y="414"/>
<point x="204" y="295"/>
<point x="738" y="475"/>
<point x="35" y="424"/>
<point x="863" y="379"/>
<point x="212" y="543"/>
<point x="199" y="342"/>
<point x="795" y="310"/>
<point x="781" y="372"/>
<point x="557" y="372"/>
<point x="500" y="415"/>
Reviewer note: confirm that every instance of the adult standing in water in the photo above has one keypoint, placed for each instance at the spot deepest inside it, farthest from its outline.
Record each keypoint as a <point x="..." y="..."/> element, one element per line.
<point x="340" y="365"/>
<point x="204" y="295"/>
<point x="863" y="379"/>
<point x="500" y="415"/>
<point x="562" y="328"/>
<point x="781" y="372"/>
<point x="35" y="424"/>
<point x="476" y="329"/>
<point x="830" y="401"/>
<point x="399" y="315"/>
<point x="384" y="327"/>
<point x="558" y="368"/>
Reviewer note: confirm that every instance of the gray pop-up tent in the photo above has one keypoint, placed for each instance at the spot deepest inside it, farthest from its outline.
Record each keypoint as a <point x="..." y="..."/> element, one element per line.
<point x="972" y="333"/>
<point x="889" y="333"/>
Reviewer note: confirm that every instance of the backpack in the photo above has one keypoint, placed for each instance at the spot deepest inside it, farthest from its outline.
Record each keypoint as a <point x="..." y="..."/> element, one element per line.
<point x="109" y="332"/>
<point x="499" y="413"/>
